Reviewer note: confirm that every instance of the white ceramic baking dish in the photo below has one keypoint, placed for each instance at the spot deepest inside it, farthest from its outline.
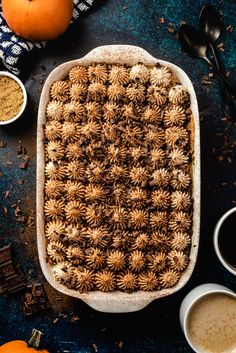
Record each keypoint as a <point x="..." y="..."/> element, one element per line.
<point x="116" y="301"/>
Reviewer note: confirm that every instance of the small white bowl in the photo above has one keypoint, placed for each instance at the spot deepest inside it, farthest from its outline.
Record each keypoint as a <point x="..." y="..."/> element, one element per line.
<point x="21" y="112"/>
<point x="192" y="298"/>
<point x="216" y="239"/>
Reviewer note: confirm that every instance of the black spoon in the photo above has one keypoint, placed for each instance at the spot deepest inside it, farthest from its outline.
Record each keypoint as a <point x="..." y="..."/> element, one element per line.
<point x="210" y="26"/>
<point x="195" y="45"/>
<point x="210" y="23"/>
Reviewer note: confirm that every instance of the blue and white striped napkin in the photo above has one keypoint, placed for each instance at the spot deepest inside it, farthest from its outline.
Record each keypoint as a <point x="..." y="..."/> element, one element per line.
<point x="12" y="47"/>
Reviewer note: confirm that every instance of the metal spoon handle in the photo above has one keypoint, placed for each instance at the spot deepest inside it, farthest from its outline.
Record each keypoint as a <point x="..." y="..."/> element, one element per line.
<point x="216" y="58"/>
<point x="228" y="106"/>
<point x="230" y="86"/>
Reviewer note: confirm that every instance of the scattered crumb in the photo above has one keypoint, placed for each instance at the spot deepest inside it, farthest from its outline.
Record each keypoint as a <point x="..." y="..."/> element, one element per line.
<point x="229" y="28"/>
<point x="3" y="144"/>
<point x="171" y="30"/>
<point x="74" y="319"/>
<point x="6" y="194"/>
<point x="221" y="47"/>
<point x="206" y="80"/>
<point x="220" y="158"/>
<point x="19" y="215"/>
<point x="26" y="158"/>
<point x="30" y="222"/>
<point x="120" y="344"/>
<point x="23" y="165"/>
<point x="95" y="348"/>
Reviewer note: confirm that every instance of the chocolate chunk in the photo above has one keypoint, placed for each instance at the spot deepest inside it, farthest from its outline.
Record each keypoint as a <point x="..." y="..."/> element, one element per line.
<point x="12" y="278"/>
<point x="34" y="299"/>
<point x="21" y="150"/>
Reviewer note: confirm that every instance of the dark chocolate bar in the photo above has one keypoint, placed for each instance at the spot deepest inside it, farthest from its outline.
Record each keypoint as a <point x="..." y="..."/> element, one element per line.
<point x="12" y="278"/>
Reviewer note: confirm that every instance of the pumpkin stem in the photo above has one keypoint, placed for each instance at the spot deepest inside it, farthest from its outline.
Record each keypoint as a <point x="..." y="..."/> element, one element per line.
<point x="35" y="339"/>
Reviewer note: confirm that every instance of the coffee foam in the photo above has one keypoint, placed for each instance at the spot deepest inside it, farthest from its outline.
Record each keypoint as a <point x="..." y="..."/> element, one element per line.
<point x="212" y="324"/>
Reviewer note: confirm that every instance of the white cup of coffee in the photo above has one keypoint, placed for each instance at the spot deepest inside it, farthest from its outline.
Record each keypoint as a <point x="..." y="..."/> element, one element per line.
<point x="225" y="239"/>
<point x="208" y="319"/>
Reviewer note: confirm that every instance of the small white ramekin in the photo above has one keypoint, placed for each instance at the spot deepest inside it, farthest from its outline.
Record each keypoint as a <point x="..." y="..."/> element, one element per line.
<point x="192" y="298"/>
<point x="21" y="112"/>
<point x="216" y="240"/>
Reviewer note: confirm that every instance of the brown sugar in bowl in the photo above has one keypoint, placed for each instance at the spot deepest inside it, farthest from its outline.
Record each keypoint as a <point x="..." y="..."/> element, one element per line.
<point x="13" y="98"/>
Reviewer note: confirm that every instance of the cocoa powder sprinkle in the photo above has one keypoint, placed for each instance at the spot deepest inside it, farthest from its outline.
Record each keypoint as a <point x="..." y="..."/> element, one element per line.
<point x="11" y="98"/>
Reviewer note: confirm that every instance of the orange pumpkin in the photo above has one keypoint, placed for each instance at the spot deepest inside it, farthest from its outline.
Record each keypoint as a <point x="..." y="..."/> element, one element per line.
<point x="38" y="19"/>
<point x="32" y="346"/>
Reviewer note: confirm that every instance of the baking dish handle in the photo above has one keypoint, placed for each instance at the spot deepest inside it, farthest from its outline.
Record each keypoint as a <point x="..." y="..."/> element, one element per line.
<point x="118" y="54"/>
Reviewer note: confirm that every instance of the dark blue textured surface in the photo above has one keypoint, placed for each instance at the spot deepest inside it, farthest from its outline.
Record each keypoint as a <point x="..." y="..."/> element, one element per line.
<point x="155" y="329"/>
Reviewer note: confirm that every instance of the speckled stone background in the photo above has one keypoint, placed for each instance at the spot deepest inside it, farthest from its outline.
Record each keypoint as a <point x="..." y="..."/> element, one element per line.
<point x="71" y="326"/>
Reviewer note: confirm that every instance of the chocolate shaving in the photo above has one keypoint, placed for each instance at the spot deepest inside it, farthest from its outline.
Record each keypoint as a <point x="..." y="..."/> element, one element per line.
<point x="34" y="299"/>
